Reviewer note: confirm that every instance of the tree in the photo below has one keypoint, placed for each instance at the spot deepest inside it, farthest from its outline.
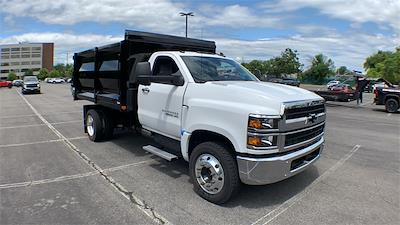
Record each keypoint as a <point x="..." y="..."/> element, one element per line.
<point x="321" y="67"/>
<point x="11" y="76"/>
<point x="286" y="63"/>
<point x="342" y="70"/>
<point x="385" y="65"/>
<point x="28" y="73"/>
<point x="69" y="68"/>
<point x="54" y="74"/>
<point x="43" y="73"/>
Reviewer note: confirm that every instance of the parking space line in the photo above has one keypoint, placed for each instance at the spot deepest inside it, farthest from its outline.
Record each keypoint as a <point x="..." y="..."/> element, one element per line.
<point x="39" y="142"/>
<point x="69" y="177"/>
<point x="29" y="115"/>
<point x="290" y="202"/>
<point x="41" y="124"/>
<point x="141" y="205"/>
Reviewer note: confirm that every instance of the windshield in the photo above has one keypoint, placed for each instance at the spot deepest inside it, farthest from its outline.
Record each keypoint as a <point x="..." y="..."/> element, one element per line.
<point x="205" y="69"/>
<point x="28" y="79"/>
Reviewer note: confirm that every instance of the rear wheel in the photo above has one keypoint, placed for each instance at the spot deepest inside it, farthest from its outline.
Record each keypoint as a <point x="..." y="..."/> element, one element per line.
<point x="94" y="125"/>
<point x="392" y="105"/>
<point x="214" y="172"/>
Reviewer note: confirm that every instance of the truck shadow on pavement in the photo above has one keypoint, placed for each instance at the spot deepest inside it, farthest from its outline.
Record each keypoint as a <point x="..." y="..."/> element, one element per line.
<point x="249" y="196"/>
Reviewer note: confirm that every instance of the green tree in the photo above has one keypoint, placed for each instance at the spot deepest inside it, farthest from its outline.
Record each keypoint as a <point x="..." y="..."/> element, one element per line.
<point x="385" y="65"/>
<point x="287" y="63"/>
<point x="60" y="67"/>
<point x="69" y="68"/>
<point x="54" y="74"/>
<point x="320" y="68"/>
<point x="28" y="73"/>
<point x="43" y="73"/>
<point x="11" y="76"/>
<point x="342" y="70"/>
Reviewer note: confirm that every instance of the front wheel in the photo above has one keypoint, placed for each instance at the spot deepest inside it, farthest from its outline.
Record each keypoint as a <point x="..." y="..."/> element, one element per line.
<point x="214" y="172"/>
<point x="392" y="105"/>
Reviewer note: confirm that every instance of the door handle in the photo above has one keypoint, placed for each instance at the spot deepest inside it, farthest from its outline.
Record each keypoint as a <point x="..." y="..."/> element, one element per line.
<point x="145" y="90"/>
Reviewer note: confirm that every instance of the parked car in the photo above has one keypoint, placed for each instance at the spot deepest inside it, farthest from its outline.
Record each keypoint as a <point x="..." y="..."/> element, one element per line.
<point x="230" y="127"/>
<point x="285" y="80"/>
<point x="388" y="96"/>
<point x="31" y="85"/>
<point x="5" y="83"/>
<point x="17" y="83"/>
<point x="332" y="82"/>
<point x="55" y="80"/>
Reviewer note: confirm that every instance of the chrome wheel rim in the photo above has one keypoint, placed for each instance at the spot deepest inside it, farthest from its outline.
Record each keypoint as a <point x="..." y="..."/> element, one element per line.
<point x="209" y="173"/>
<point x="89" y="125"/>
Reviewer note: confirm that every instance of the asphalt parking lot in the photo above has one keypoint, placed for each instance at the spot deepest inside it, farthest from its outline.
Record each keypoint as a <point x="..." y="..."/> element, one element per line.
<point x="50" y="173"/>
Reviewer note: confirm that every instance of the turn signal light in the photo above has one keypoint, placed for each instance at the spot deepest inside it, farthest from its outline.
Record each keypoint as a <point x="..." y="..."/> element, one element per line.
<point x="255" y="123"/>
<point x="254" y="140"/>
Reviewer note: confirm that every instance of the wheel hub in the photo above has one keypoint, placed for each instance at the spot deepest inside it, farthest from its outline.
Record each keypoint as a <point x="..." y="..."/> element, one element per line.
<point x="89" y="125"/>
<point x="209" y="173"/>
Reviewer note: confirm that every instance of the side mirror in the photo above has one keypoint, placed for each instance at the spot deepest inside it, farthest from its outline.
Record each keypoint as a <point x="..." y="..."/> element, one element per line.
<point x="143" y="73"/>
<point x="177" y="79"/>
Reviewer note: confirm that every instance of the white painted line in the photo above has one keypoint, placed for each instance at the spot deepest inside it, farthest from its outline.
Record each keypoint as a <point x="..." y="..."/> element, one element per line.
<point x="30" y="115"/>
<point x="122" y="190"/>
<point x="40" y="142"/>
<point x="290" y="202"/>
<point x="389" y="114"/>
<point x="41" y="124"/>
<point x="68" y="177"/>
<point x="29" y="143"/>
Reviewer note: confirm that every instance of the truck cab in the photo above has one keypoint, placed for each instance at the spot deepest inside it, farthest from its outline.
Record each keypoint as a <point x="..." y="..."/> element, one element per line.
<point x="208" y="110"/>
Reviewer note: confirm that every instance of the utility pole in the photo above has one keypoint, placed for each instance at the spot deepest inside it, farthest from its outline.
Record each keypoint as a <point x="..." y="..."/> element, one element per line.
<point x="186" y="15"/>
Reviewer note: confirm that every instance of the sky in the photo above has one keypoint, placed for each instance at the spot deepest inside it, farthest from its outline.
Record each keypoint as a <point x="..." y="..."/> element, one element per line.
<point x="347" y="31"/>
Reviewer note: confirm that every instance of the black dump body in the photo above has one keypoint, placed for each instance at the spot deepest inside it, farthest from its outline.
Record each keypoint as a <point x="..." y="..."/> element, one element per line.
<point x="105" y="75"/>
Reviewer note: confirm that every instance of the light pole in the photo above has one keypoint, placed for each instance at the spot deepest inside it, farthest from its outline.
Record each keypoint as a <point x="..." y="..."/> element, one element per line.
<point x="186" y="15"/>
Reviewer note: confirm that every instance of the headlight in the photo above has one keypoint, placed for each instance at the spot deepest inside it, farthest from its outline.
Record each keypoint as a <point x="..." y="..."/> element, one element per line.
<point x="255" y="140"/>
<point x="24" y="85"/>
<point x="263" y="122"/>
<point x="262" y="131"/>
<point x="38" y="85"/>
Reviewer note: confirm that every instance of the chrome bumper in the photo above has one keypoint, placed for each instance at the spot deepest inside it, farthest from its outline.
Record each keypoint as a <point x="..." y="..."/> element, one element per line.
<point x="259" y="171"/>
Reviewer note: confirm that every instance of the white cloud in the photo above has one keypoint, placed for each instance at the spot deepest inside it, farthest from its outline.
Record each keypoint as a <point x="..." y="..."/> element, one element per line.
<point x="150" y="14"/>
<point x="385" y="12"/>
<point x="350" y="51"/>
<point x="64" y="43"/>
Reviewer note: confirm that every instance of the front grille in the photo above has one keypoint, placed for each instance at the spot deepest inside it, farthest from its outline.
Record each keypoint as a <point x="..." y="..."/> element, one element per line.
<point x="297" y="163"/>
<point x="304" y="111"/>
<point x="31" y="85"/>
<point x="301" y="136"/>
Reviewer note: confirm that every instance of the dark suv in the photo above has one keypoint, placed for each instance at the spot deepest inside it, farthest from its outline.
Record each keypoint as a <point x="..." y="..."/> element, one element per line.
<point x="31" y="85"/>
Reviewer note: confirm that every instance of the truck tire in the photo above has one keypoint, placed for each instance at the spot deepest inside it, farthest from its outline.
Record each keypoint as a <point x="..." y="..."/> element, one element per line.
<point x="392" y="105"/>
<point x="108" y="125"/>
<point x="94" y="125"/>
<point x="214" y="172"/>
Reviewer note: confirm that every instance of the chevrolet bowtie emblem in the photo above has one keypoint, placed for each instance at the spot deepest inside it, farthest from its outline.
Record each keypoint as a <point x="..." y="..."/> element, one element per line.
<point x="311" y="118"/>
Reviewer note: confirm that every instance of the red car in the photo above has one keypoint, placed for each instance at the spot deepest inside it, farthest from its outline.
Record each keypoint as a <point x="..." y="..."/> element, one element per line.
<point x="4" y="83"/>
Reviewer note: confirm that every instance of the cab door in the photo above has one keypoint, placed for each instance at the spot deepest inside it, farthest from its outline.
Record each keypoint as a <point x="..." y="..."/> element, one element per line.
<point x="160" y="103"/>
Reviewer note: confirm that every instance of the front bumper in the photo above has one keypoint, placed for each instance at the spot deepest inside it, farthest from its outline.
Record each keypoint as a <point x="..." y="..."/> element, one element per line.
<point x="31" y="90"/>
<point x="259" y="171"/>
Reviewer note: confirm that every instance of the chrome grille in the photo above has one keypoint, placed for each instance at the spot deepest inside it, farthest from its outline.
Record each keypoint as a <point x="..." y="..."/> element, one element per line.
<point x="295" y="138"/>
<point x="293" y="113"/>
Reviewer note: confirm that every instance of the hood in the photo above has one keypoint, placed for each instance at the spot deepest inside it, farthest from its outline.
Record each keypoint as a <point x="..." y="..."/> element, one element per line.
<point x="254" y="96"/>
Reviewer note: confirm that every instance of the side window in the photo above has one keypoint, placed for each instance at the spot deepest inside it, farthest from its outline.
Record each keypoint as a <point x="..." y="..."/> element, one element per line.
<point x="164" y="66"/>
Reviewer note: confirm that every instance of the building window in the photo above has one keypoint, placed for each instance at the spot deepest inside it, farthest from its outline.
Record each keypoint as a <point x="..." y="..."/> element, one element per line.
<point x="25" y="56"/>
<point x="5" y="64"/>
<point x="35" y="55"/>
<point x="5" y="50"/>
<point x="35" y="62"/>
<point x="25" y="63"/>
<point x="14" y="63"/>
<point x="5" y="56"/>
<point x="15" y="49"/>
<point x="26" y="49"/>
<point x="14" y="56"/>
<point x="36" y="48"/>
<point x="4" y="71"/>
